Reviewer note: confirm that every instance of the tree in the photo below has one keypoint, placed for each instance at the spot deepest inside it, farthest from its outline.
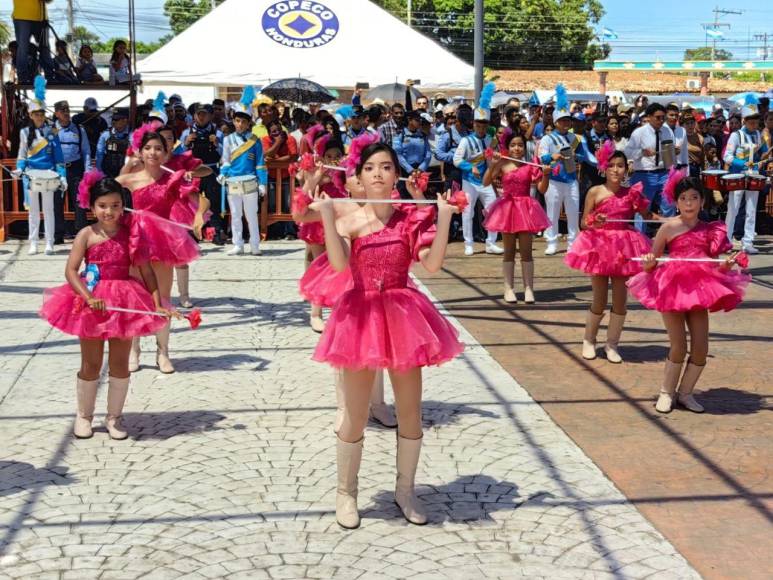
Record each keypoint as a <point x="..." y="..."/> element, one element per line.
<point x="704" y="53"/>
<point x="183" y="13"/>
<point x="518" y="33"/>
<point x="5" y="33"/>
<point x="82" y="35"/>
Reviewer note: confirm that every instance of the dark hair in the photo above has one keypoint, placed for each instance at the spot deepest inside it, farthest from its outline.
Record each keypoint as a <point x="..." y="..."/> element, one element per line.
<point x="672" y="107"/>
<point x="687" y="184"/>
<point x="151" y="136"/>
<point x="216" y="102"/>
<point x="333" y="144"/>
<point x="653" y="108"/>
<point x="512" y="136"/>
<point x="397" y="106"/>
<point x="374" y="113"/>
<point x="116" y="44"/>
<point x="619" y="155"/>
<point x="107" y="186"/>
<point x="371" y="150"/>
<point x="164" y="128"/>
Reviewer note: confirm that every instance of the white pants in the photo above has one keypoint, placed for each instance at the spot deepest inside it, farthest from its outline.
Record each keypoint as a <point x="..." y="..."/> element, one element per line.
<point x="246" y="205"/>
<point x="48" y="214"/>
<point x="562" y="193"/>
<point x="474" y="192"/>
<point x="733" y="205"/>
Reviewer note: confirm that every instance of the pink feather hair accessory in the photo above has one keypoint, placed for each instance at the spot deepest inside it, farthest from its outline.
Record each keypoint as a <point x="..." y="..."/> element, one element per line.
<point x="355" y="151"/>
<point x="604" y="154"/>
<point x="319" y="146"/>
<point x="138" y="134"/>
<point x="674" y="176"/>
<point x="89" y="179"/>
<point x="313" y="134"/>
<point x="503" y="140"/>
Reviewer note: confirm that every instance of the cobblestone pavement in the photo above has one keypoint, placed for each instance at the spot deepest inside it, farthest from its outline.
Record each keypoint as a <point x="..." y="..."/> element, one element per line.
<point x="230" y="468"/>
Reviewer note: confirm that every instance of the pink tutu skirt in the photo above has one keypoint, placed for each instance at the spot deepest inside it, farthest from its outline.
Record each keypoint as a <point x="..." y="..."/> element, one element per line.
<point x="321" y="285"/>
<point x="607" y="252"/>
<point x="685" y="286"/>
<point x="312" y="233"/>
<point x="184" y="212"/>
<point x="513" y="214"/>
<point x="67" y="311"/>
<point x="394" y="329"/>
<point x="155" y="240"/>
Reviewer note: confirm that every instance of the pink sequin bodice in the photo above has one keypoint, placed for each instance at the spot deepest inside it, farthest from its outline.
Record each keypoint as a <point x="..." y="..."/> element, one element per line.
<point x="623" y="205"/>
<point x="111" y="256"/>
<point x="381" y="260"/>
<point x="159" y="196"/>
<point x="705" y="240"/>
<point x="517" y="183"/>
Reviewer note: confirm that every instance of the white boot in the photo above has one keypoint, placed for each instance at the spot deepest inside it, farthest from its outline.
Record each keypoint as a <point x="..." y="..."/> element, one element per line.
<point x="86" y="392"/>
<point x="348" y="458"/>
<point x="33" y="248"/>
<point x="116" y="397"/>
<point x="527" y="273"/>
<point x="614" y="330"/>
<point x="665" y="400"/>
<point x="592" y="322"/>
<point x="508" y="272"/>
<point x="408" y="451"/>
<point x="379" y="410"/>
<point x="162" y="353"/>
<point x="339" y="420"/>
<point x="691" y="375"/>
<point x="316" y="321"/>
<point x="183" y="277"/>
<point x="134" y="355"/>
<point x="49" y="248"/>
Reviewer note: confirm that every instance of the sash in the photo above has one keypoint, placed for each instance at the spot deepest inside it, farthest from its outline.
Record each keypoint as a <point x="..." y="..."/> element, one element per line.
<point x="37" y="147"/>
<point x="243" y="148"/>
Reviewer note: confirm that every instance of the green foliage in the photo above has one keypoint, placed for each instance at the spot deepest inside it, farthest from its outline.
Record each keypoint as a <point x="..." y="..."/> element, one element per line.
<point x="704" y="53"/>
<point x="5" y="33"/>
<point x="518" y="33"/>
<point x="183" y="13"/>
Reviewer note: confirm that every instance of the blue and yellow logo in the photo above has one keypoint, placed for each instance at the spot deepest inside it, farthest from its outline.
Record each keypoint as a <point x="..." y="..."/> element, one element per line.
<point x="300" y="23"/>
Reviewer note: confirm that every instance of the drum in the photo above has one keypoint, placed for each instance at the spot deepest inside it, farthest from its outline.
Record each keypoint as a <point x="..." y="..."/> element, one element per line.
<point x="711" y="178"/>
<point x="567" y="155"/>
<point x="43" y="180"/>
<point x="733" y="182"/>
<point x="242" y="184"/>
<point x="668" y="153"/>
<point x="755" y="181"/>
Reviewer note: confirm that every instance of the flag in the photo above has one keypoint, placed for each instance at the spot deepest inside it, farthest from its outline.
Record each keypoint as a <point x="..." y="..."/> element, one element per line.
<point x="714" y="33"/>
<point x="608" y="34"/>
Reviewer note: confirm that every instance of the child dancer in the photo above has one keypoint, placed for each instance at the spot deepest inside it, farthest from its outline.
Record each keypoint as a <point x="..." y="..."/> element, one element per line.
<point x="80" y="306"/>
<point x="381" y="323"/>
<point x="516" y="214"/>
<point x="604" y="248"/>
<point x="685" y="292"/>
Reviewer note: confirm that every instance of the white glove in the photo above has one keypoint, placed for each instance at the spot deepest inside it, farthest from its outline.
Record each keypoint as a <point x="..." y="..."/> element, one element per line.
<point x="220" y="179"/>
<point x="63" y="182"/>
<point x="261" y="190"/>
<point x="17" y="173"/>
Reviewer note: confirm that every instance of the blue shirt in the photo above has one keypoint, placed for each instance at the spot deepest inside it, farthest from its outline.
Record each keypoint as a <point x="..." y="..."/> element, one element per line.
<point x="75" y="143"/>
<point x="447" y="143"/>
<point x="249" y="163"/>
<point x="49" y="157"/>
<point x="413" y="150"/>
<point x="553" y="143"/>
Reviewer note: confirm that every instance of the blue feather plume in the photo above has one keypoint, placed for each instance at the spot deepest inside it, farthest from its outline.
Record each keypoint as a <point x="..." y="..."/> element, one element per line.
<point x="248" y="95"/>
<point x="486" y="94"/>
<point x="562" y="102"/>
<point x="346" y="111"/>
<point x="751" y="99"/>
<point x="40" y="88"/>
<point x="159" y="102"/>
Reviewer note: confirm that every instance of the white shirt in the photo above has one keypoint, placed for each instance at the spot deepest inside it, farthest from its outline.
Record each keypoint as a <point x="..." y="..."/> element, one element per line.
<point x="680" y="142"/>
<point x="644" y="138"/>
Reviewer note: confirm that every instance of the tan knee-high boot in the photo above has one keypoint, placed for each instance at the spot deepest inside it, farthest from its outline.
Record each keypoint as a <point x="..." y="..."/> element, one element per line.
<point x="665" y="400"/>
<point x="379" y="410"/>
<point x="134" y="355"/>
<point x="592" y="322"/>
<point x="408" y="451"/>
<point x="116" y="397"/>
<point x="614" y="330"/>
<point x="162" y="352"/>
<point x="86" y="393"/>
<point x="691" y="375"/>
<point x="508" y="272"/>
<point x="183" y="277"/>
<point x="348" y="458"/>
<point x="527" y="273"/>
<point x="339" y="420"/>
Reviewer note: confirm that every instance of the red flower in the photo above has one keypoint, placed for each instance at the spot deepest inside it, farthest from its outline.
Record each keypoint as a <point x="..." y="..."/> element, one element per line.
<point x="489" y="153"/>
<point x="422" y="181"/>
<point x="459" y="199"/>
<point x="590" y="219"/>
<point x="307" y="162"/>
<point x="742" y="260"/>
<point x="292" y="169"/>
<point x="301" y="201"/>
<point x="194" y="318"/>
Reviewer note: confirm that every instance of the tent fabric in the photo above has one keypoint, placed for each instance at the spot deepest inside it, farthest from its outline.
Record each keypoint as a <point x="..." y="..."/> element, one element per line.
<point x="333" y="42"/>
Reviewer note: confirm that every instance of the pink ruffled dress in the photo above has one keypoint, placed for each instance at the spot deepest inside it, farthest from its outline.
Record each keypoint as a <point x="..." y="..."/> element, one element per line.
<point x="184" y="208"/>
<point x="314" y="232"/>
<point x="382" y="323"/>
<point x="607" y="250"/>
<point x="67" y="311"/>
<point x="685" y="286"/>
<point x="515" y="210"/>
<point x="156" y="239"/>
<point x="322" y="285"/>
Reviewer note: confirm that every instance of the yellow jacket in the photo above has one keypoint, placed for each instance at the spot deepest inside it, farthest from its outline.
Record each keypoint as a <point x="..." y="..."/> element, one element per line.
<point x="29" y="10"/>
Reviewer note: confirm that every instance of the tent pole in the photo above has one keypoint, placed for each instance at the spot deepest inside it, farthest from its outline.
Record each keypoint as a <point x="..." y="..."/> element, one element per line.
<point x="478" y="48"/>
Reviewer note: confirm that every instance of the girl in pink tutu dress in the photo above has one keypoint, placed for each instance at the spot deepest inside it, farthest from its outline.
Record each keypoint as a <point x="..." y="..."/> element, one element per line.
<point x="79" y="307"/>
<point x="381" y="323"/>
<point x="685" y="292"/>
<point x="165" y="245"/>
<point x="604" y="249"/>
<point x="516" y="214"/>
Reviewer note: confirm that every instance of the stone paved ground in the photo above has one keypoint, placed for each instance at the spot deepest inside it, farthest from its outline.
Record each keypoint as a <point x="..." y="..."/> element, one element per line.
<point x="230" y="469"/>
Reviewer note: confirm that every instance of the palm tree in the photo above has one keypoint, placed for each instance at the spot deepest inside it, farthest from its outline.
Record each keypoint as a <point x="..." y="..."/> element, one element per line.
<point x="5" y="33"/>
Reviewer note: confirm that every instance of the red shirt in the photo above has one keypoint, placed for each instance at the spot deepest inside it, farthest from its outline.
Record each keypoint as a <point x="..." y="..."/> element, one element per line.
<point x="290" y="147"/>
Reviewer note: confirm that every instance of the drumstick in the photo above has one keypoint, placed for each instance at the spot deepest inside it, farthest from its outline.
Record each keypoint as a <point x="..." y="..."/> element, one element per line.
<point x="156" y="216"/>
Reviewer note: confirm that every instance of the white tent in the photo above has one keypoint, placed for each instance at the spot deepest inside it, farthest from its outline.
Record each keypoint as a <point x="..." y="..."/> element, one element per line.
<point x="334" y="42"/>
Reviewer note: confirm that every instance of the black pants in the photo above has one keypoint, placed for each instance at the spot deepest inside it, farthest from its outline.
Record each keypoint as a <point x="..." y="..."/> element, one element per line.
<point x="212" y="190"/>
<point x="62" y="228"/>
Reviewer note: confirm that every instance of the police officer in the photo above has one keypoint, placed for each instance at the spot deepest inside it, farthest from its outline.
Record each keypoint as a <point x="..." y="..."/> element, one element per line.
<point x="113" y="143"/>
<point x="77" y="157"/>
<point x="205" y="141"/>
<point x="412" y="147"/>
<point x="357" y="126"/>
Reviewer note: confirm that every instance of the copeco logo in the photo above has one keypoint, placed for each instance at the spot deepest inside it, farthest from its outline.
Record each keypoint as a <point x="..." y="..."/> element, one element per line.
<point x="300" y="23"/>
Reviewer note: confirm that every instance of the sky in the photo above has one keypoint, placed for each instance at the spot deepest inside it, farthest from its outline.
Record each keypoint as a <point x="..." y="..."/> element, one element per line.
<point x="649" y="30"/>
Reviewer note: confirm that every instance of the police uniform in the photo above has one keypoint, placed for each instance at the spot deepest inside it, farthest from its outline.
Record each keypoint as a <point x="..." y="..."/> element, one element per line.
<point x="77" y="158"/>
<point x="112" y="147"/>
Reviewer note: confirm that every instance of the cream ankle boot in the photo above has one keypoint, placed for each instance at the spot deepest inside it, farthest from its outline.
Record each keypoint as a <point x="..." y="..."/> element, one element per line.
<point x="162" y="352"/>
<point x="592" y="322"/>
<point x="691" y="375"/>
<point x="339" y="380"/>
<point x="408" y="451"/>
<point x="134" y="355"/>
<point x="315" y="320"/>
<point x="670" y="379"/>
<point x="86" y="392"/>
<point x="614" y="330"/>
<point x="183" y="277"/>
<point x="116" y="397"/>
<point x="508" y="272"/>
<point x="348" y="458"/>
<point x="527" y="273"/>
<point x="379" y="410"/>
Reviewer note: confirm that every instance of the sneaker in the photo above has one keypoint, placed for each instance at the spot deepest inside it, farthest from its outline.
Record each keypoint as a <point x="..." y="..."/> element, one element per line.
<point x="256" y="251"/>
<point x="49" y="249"/>
<point x="551" y="249"/>
<point x="235" y="251"/>
<point x="468" y="250"/>
<point x="494" y="249"/>
<point x="33" y="249"/>
<point x="750" y="249"/>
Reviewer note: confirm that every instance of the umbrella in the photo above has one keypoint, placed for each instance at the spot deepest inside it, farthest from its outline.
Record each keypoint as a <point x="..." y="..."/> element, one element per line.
<point x="392" y="93"/>
<point x="740" y="98"/>
<point x="297" y="90"/>
<point x="501" y="97"/>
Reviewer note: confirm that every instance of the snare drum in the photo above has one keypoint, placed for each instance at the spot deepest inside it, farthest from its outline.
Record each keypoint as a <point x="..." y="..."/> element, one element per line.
<point x="733" y="182"/>
<point x="711" y="178"/>
<point x="43" y="180"/>
<point x="755" y="181"/>
<point x="242" y="184"/>
<point x="567" y="156"/>
<point x="668" y="153"/>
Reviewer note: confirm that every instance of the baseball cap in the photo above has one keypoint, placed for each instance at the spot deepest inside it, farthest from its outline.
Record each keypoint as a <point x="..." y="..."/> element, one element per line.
<point x="90" y="104"/>
<point x="425" y="117"/>
<point x="61" y="106"/>
<point x="203" y="107"/>
<point x="120" y="113"/>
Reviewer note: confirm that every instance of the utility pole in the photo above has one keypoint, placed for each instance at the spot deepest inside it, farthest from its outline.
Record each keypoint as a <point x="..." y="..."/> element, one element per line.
<point x="478" y="49"/>
<point x="70" y="23"/>
<point x="717" y="24"/>
<point x="410" y="12"/>
<point x="764" y="39"/>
